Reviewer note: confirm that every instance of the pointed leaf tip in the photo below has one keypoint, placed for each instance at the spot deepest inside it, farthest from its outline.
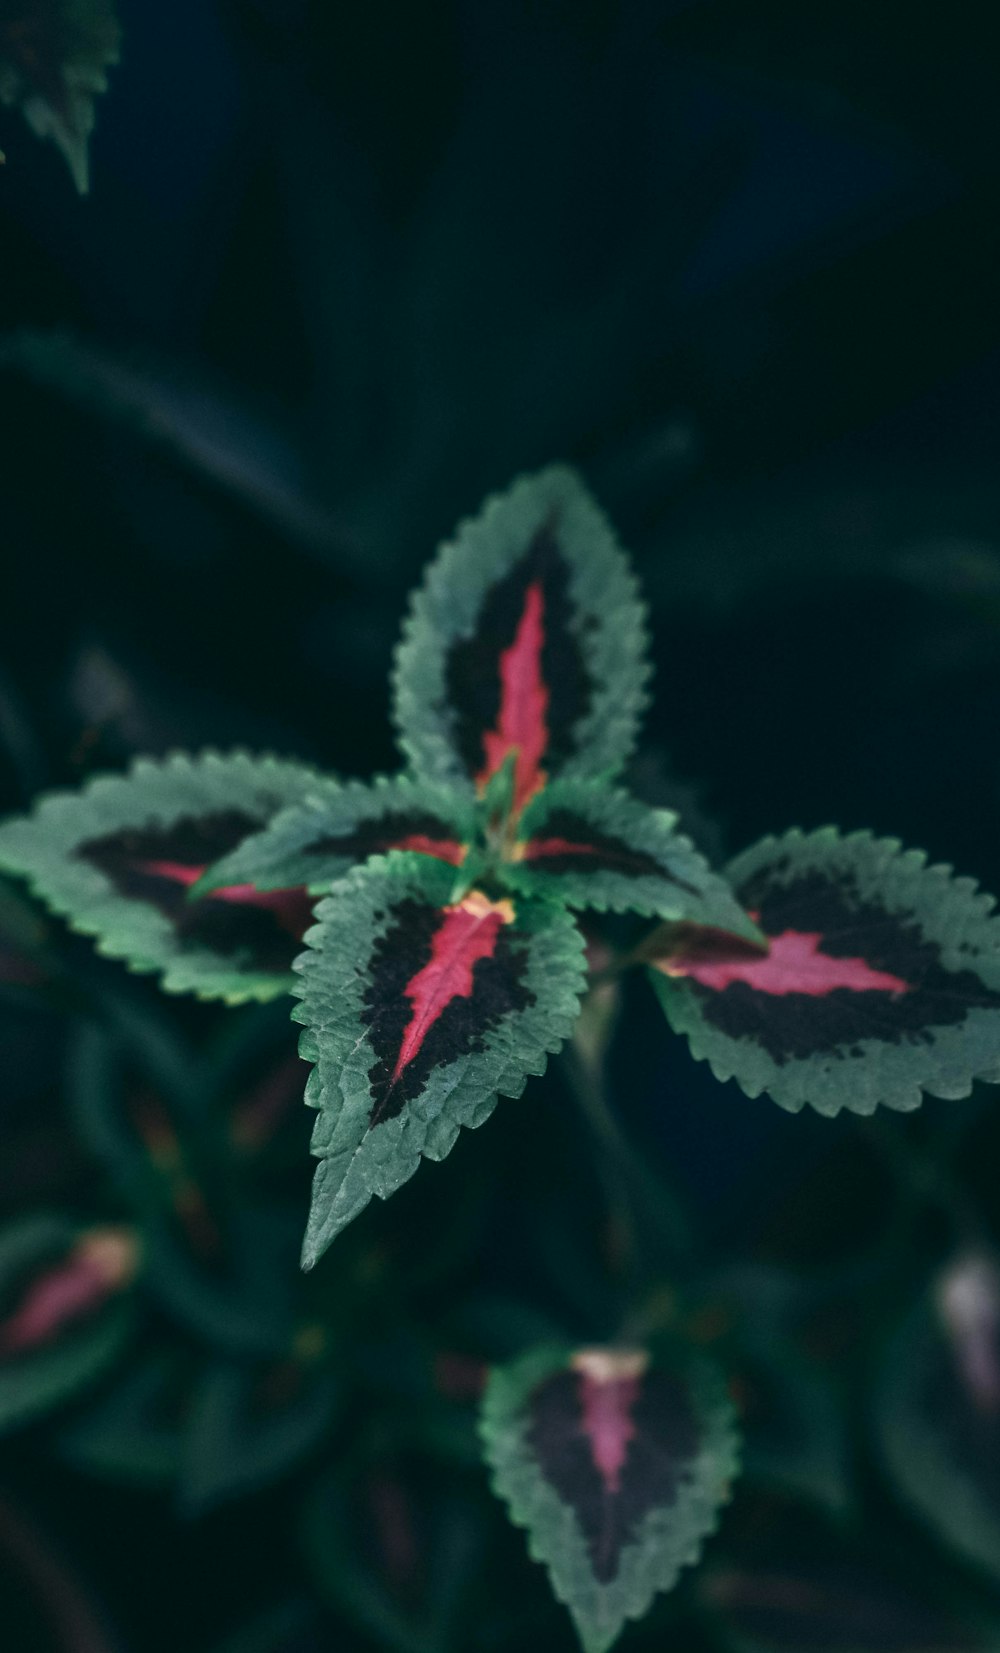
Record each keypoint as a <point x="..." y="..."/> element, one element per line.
<point x="527" y="641"/>
<point x="617" y="1464"/>
<point x="421" y="1011"/>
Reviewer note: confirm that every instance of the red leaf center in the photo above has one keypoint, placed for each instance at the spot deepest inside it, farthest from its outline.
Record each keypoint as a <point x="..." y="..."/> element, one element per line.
<point x="524" y="703"/>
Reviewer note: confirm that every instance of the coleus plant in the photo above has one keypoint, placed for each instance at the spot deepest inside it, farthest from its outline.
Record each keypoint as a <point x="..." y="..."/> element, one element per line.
<point x="429" y="925"/>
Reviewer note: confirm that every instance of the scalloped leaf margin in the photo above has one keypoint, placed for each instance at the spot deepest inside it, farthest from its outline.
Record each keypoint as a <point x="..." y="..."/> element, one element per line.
<point x="45" y="848"/>
<point x="667" y="1536"/>
<point x="602" y="628"/>
<point x="882" y="982"/>
<point x="375" y="938"/>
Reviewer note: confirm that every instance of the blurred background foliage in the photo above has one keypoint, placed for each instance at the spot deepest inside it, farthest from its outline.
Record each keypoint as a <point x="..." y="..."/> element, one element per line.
<point x="344" y="269"/>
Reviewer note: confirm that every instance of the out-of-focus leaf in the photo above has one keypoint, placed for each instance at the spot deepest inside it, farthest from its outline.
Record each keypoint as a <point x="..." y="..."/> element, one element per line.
<point x="251" y="1424"/>
<point x="237" y="1297"/>
<point x="793" y="1584"/>
<point x="133" y="1430"/>
<point x="616" y="1465"/>
<point x="397" y="1546"/>
<point x="54" y="58"/>
<point x="119" y="857"/>
<point x="938" y="1408"/>
<point x="294" y="1627"/>
<point x="65" y="1310"/>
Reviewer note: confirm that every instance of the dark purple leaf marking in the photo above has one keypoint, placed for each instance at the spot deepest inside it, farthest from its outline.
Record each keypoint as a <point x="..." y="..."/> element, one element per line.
<point x="615" y="1441"/>
<point x="417" y="830"/>
<point x="571" y="844"/>
<point x="159" y="864"/>
<point x="441" y="979"/>
<point x="841" y="969"/>
<point x="520" y="680"/>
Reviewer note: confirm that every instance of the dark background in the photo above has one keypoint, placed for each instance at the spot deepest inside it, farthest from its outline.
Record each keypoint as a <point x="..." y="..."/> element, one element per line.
<point x="344" y="269"/>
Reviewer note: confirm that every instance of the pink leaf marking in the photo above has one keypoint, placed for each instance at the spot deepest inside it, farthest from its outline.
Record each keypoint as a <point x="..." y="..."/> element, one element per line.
<point x="99" y="1265"/>
<point x="467" y="933"/>
<point x="794" y="964"/>
<point x="293" y="909"/>
<point x="524" y="704"/>
<point x="443" y="849"/>
<point x="609" y="1388"/>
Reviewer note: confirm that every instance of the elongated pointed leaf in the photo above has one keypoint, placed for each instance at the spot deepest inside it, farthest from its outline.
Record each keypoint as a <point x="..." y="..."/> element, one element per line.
<point x="527" y="635"/>
<point x="593" y="846"/>
<point x="341" y="825"/>
<point x="938" y="1409"/>
<point x="616" y="1465"/>
<point x="250" y="1425"/>
<point x="882" y="980"/>
<point x="119" y="858"/>
<point x="64" y="1310"/>
<point x="54" y="58"/>
<point x="419" y="1013"/>
<point x="792" y="1583"/>
<point x="133" y="1430"/>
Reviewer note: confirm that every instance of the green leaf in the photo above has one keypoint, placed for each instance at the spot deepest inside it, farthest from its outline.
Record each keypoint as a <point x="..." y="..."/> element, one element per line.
<point x="54" y="58"/>
<point x="528" y="634"/>
<point x="882" y="981"/>
<point x="342" y="824"/>
<point x="250" y="1425"/>
<point x="227" y="1282"/>
<point x="418" y="1015"/>
<point x="119" y="857"/>
<point x="593" y="846"/>
<point x="938" y="1409"/>
<point x="617" y="1466"/>
<point x="793" y="1581"/>
<point x="65" y="1310"/>
<point x="133" y="1430"/>
<point x="398" y="1545"/>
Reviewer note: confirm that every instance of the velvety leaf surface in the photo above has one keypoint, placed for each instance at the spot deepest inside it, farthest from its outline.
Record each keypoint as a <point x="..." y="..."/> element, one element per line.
<point x="64" y="1310"/>
<point x="882" y="981"/>
<point x="527" y="636"/>
<point x="938" y="1409"/>
<point x="119" y="858"/>
<point x="341" y="824"/>
<point x="419" y="1013"/>
<point x="616" y="1465"/>
<point x="594" y="846"/>
<point x="54" y="58"/>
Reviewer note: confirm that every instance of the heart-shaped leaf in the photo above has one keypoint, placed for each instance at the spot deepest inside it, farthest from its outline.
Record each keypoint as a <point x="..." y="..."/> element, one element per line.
<point x="617" y="1466"/>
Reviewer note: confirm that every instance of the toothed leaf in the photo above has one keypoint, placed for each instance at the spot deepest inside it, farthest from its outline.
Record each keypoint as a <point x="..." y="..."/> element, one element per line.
<point x="315" y="842"/>
<point x="54" y="58"/>
<point x="882" y="980"/>
<point x="617" y="1466"/>
<point x="593" y="846"/>
<point x="64" y="1310"/>
<point x="419" y="1013"/>
<point x="119" y="858"/>
<point x="527" y="635"/>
